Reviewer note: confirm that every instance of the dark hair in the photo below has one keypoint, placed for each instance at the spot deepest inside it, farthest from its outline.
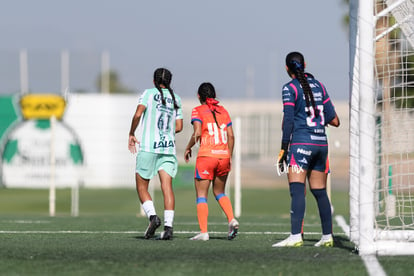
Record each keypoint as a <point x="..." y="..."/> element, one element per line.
<point x="207" y="95"/>
<point x="163" y="77"/>
<point x="206" y="90"/>
<point x="295" y="62"/>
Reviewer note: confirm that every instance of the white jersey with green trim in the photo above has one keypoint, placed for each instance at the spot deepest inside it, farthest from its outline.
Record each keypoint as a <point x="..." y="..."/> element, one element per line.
<point x="157" y="126"/>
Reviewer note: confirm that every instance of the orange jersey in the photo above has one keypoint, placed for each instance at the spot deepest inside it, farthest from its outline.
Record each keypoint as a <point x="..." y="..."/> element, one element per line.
<point x="213" y="138"/>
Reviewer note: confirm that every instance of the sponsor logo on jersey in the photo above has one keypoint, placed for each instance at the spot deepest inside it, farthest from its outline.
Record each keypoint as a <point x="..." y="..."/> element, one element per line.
<point x="318" y="138"/>
<point x="318" y="96"/>
<point x="164" y="108"/>
<point x="304" y="152"/>
<point x="163" y="144"/>
<point x="285" y="94"/>
<point x="219" y="151"/>
<point x="157" y="98"/>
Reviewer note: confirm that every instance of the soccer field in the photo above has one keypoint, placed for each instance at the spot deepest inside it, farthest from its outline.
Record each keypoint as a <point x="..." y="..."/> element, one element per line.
<point x="106" y="239"/>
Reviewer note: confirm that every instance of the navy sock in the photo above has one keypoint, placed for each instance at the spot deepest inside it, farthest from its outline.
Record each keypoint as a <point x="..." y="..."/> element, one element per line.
<point x="324" y="207"/>
<point x="297" y="207"/>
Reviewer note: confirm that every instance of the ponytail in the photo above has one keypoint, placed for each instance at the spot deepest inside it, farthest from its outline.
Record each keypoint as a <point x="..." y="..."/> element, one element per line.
<point x="212" y="105"/>
<point x="296" y="65"/>
<point x="307" y="91"/>
<point x="172" y="96"/>
<point x="207" y="94"/>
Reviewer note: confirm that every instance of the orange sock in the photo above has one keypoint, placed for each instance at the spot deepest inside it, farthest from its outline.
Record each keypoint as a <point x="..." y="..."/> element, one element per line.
<point x="202" y="213"/>
<point x="225" y="204"/>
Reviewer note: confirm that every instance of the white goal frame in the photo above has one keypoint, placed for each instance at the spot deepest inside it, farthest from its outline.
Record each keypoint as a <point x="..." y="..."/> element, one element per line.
<point x="368" y="238"/>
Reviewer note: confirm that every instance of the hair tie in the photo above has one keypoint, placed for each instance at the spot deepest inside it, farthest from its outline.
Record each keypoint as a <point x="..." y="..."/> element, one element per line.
<point x="212" y="103"/>
<point x="298" y="65"/>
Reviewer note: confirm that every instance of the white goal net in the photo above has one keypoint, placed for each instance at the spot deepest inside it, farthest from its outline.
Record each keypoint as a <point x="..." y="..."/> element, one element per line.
<point x="382" y="126"/>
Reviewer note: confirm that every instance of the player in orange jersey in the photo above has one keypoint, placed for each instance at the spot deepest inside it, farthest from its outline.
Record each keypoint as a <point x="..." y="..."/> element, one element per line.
<point x="214" y="133"/>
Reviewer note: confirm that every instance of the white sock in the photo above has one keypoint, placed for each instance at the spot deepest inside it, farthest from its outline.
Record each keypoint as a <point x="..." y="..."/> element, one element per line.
<point x="326" y="237"/>
<point x="296" y="236"/>
<point x="168" y="218"/>
<point x="149" y="208"/>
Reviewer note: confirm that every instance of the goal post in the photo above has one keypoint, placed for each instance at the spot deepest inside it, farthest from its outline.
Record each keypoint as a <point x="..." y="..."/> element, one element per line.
<point x="53" y="173"/>
<point x="354" y="122"/>
<point x="382" y="126"/>
<point x="237" y="168"/>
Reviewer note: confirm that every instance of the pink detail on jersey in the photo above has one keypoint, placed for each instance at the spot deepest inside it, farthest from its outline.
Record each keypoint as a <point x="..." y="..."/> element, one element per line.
<point x="292" y="161"/>
<point x="323" y="87"/>
<point x="311" y="144"/>
<point x="327" y="165"/>
<point x="296" y="90"/>
<point x="327" y="100"/>
<point x="289" y="104"/>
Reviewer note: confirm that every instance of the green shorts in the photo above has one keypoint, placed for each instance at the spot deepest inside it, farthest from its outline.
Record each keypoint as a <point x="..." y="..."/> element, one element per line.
<point x="148" y="164"/>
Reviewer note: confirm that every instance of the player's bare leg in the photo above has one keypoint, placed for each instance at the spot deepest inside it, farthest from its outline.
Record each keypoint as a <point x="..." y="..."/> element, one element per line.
<point x="167" y="190"/>
<point x="142" y="188"/>
<point x="169" y="204"/>
<point x="148" y="205"/>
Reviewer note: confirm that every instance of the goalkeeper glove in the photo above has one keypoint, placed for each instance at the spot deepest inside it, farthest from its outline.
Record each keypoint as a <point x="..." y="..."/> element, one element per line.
<point x="282" y="159"/>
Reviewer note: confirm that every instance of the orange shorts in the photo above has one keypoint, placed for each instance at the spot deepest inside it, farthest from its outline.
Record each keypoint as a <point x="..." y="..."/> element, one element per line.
<point x="210" y="167"/>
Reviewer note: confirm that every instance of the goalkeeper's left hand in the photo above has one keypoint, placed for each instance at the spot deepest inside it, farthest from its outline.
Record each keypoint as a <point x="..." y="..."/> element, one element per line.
<point x="282" y="158"/>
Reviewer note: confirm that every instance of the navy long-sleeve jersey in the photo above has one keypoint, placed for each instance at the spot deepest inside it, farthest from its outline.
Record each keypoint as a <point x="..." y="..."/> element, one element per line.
<point x="299" y="127"/>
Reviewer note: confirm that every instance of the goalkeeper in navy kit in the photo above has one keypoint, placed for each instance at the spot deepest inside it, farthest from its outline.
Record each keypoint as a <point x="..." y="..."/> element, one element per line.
<point x="307" y="111"/>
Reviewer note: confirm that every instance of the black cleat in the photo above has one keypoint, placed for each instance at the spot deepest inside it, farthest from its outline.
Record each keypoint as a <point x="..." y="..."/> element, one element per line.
<point x="155" y="222"/>
<point x="167" y="234"/>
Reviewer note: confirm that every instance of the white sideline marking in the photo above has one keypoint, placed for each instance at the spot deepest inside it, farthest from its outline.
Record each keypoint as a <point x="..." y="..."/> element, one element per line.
<point x="28" y="221"/>
<point x="252" y="224"/>
<point x="270" y="224"/>
<point x="374" y="268"/>
<point x="342" y="223"/>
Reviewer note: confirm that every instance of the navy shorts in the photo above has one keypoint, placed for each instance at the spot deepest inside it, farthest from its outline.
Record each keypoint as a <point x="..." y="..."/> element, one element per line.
<point x="308" y="157"/>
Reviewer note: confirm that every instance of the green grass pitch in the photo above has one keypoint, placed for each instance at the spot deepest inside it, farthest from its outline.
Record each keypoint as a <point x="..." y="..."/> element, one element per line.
<point x="107" y="237"/>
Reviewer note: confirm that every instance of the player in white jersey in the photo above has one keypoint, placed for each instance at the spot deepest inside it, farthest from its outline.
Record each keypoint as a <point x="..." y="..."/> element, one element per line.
<point x="159" y="117"/>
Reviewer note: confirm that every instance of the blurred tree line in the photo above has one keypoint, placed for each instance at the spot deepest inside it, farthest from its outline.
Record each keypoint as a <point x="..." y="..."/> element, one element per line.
<point x="115" y="86"/>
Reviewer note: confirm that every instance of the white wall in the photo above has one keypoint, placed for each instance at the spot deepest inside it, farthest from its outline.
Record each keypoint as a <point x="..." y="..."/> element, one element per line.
<point x="102" y="123"/>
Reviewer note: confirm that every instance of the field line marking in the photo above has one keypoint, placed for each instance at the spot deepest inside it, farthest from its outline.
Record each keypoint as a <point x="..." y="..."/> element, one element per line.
<point x="342" y="223"/>
<point x="371" y="263"/>
<point x="373" y="266"/>
<point x="137" y="232"/>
